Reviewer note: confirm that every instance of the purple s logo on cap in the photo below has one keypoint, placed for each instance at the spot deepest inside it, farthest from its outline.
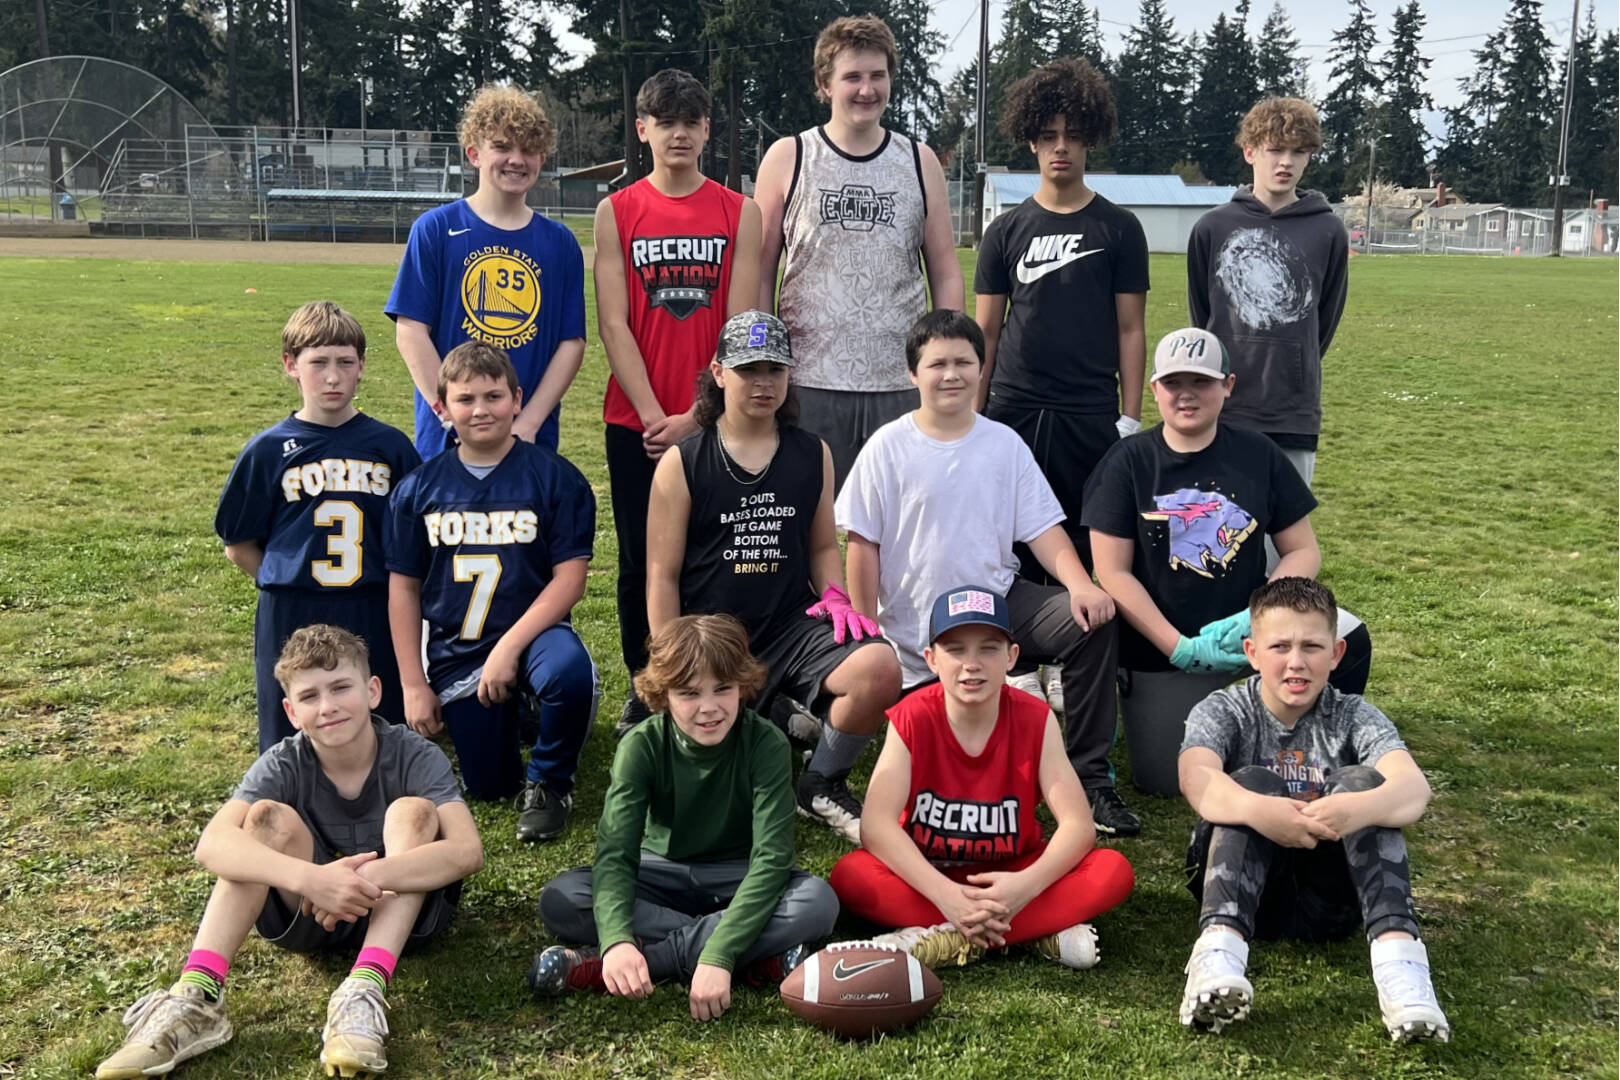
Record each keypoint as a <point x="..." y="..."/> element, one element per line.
<point x="756" y="335"/>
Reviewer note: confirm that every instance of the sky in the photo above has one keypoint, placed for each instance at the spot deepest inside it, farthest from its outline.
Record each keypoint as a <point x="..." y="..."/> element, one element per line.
<point x="1453" y="30"/>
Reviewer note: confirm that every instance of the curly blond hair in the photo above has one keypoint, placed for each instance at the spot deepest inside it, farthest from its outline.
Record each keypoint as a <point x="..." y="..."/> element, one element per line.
<point x="851" y="32"/>
<point x="321" y="646"/>
<point x="1282" y="121"/>
<point x="496" y="110"/>
<point x="694" y="646"/>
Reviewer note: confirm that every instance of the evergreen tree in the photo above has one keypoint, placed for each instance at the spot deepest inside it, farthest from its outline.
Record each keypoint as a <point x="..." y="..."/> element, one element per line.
<point x="1077" y="31"/>
<point x="1225" y="92"/>
<point x="1278" y="68"/>
<point x="1349" y="105"/>
<point x="1462" y="162"/>
<point x="1403" y="156"/>
<point x="916" y="96"/>
<point x="1022" y="47"/>
<point x="1518" y="141"/>
<point x="1149" y="83"/>
<point x="1605" y="116"/>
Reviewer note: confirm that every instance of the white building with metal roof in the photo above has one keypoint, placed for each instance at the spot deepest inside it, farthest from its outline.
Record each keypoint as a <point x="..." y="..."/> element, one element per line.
<point x="1165" y="205"/>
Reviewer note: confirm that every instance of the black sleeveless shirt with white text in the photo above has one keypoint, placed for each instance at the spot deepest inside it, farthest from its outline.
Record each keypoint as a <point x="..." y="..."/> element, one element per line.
<point x="748" y="535"/>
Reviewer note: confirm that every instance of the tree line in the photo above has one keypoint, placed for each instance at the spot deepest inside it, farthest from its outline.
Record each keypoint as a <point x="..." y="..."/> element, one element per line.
<point x="412" y="63"/>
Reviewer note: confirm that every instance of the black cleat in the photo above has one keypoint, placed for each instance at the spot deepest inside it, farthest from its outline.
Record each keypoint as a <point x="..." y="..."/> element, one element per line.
<point x="542" y="814"/>
<point x="1110" y="814"/>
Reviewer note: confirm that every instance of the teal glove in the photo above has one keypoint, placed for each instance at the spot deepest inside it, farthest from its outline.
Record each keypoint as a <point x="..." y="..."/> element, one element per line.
<point x="1205" y="656"/>
<point x="1228" y="632"/>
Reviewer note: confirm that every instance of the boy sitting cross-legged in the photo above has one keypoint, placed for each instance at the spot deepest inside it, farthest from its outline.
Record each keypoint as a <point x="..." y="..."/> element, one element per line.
<point x="953" y="851"/>
<point x="694" y="875"/>
<point x="489" y="542"/>
<point x="1303" y="791"/>
<point x="350" y="832"/>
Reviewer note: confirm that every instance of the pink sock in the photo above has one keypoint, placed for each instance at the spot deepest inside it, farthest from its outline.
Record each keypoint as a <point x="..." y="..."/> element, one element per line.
<point x="375" y="964"/>
<point x="212" y="963"/>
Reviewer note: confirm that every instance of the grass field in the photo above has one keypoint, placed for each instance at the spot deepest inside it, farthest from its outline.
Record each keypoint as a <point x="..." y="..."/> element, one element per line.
<point x="1468" y="481"/>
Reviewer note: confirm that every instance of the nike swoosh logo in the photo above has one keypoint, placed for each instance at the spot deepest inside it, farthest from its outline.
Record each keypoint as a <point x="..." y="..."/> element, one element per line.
<point x="458" y="232"/>
<point x="842" y="972"/>
<point x="1029" y="273"/>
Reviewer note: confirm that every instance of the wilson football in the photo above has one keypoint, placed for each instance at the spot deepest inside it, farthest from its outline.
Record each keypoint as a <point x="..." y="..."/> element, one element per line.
<point x="858" y="990"/>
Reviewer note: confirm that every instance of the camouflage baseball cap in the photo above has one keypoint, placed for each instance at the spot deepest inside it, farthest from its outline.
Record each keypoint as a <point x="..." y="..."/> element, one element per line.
<point x="753" y="336"/>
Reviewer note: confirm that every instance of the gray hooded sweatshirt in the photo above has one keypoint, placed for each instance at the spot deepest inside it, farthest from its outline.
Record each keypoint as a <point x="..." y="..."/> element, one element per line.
<point x="1271" y="286"/>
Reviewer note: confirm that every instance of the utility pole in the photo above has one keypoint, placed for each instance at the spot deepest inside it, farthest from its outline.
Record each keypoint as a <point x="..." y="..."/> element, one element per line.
<point x="1372" y="155"/>
<point x="978" y="124"/>
<point x="1560" y="178"/>
<point x="296" y="57"/>
<point x="632" y="145"/>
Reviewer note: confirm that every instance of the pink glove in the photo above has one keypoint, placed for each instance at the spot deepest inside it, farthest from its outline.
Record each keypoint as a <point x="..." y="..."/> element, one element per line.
<point x="847" y="622"/>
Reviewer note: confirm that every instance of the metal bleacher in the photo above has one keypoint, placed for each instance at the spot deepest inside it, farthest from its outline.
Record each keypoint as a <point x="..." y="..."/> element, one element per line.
<point x="261" y="184"/>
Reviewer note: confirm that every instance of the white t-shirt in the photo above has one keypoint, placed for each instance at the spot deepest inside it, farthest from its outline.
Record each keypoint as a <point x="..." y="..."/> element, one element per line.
<point x="944" y="514"/>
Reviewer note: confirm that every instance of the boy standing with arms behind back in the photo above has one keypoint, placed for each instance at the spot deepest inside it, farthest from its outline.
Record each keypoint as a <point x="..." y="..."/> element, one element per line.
<point x="680" y="253"/>
<point x="488" y="268"/>
<point x="1267" y="274"/>
<point x="307" y="501"/>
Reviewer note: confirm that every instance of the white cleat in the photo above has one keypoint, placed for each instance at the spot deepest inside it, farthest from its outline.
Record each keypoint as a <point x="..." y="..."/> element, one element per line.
<point x="1406" y="993"/>
<point x="1218" y="993"/>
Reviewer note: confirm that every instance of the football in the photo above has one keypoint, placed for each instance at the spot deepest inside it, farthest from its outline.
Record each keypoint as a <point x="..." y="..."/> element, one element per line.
<point x="858" y="990"/>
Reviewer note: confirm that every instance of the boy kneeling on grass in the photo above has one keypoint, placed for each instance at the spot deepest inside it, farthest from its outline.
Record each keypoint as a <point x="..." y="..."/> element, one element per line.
<point x="351" y="831"/>
<point x="694" y="875"/>
<point x="1303" y="790"/>
<point x="953" y="852"/>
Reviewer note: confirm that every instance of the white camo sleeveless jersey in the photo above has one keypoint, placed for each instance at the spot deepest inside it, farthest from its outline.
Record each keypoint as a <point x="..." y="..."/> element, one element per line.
<point x="853" y="283"/>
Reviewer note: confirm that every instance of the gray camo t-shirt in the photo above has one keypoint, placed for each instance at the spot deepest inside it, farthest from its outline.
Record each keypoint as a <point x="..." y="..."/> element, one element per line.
<point x="407" y="764"/>
<point x="1341" y="729"/>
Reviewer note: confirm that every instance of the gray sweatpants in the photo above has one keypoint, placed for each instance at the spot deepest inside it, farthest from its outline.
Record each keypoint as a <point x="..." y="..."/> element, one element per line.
<point x="678" y="905"/>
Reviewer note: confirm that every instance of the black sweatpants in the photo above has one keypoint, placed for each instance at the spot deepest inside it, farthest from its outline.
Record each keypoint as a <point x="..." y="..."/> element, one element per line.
<point x="1067" y="447"/>
<point x="630" y="475"/>
<point x="1261" y="889"/>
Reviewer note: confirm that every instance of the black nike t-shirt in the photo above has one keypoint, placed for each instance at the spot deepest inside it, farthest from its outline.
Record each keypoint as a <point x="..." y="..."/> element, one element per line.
<point x="1059" y="348"/>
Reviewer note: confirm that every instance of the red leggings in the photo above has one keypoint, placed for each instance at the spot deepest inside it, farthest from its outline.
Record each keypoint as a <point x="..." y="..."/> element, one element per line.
<point x="871" y="890"/>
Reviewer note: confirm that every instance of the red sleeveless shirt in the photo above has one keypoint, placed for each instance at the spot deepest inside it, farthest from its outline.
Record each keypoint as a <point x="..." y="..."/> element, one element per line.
<point x="971" y="808"/>
<point x="677" y="256"/>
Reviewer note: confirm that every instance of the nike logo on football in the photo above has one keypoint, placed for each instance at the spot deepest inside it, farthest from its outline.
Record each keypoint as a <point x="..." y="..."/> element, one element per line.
<point x="1049" y="253"/>
<point x="458" y="232"/>
<point x="842" y="972"/>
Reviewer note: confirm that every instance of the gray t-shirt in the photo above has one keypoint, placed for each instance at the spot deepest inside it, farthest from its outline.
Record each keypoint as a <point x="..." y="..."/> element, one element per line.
<point x="1340" y="729"/>
<point x="406" y="764"/>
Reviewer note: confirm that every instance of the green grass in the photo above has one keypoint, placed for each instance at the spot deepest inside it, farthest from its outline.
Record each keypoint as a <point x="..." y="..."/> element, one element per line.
<point x="44" y="207"/>
<point x="1468" y="481"/>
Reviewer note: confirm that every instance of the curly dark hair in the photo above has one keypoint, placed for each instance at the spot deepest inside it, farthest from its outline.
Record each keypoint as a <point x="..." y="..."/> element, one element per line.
<point x="1070" y="87"/>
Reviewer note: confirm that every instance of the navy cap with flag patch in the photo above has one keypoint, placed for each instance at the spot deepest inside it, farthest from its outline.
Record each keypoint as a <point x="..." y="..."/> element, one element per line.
<point x="752" y="337"/>
<point x="968" y="605"/>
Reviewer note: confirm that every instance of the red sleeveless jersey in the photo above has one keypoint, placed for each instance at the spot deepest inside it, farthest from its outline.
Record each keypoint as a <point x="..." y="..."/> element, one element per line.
<point x="677" y="263"/>
<point x="971" y="809"/>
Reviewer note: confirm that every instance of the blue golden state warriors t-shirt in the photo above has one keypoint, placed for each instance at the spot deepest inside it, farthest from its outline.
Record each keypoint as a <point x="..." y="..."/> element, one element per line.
<point x="522" y="289"/>
<point x="316" y="497"/>
<point x="484" y="547"/>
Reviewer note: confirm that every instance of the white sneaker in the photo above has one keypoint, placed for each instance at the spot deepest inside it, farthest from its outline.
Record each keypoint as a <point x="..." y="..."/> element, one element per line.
<point x="356" y="1025"/>
<point x="1217" y="992"/>
<point x="933" y="946"/>
<point x="1029" y="682"/>
<point x="167" y="1027"/>
<point x="1054" y="688"/>
<point x="1400" y="969"/>
<point x="1075" y="947"/>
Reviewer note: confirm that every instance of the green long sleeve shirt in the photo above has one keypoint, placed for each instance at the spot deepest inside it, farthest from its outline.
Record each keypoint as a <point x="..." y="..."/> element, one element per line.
<point x="692" y="803"/>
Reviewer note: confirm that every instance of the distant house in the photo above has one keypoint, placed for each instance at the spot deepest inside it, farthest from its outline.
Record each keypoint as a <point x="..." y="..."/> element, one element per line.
<point x="1591" y="231"/>
<point x="1165" y="205"/>
<point x="1476" y="225"/>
